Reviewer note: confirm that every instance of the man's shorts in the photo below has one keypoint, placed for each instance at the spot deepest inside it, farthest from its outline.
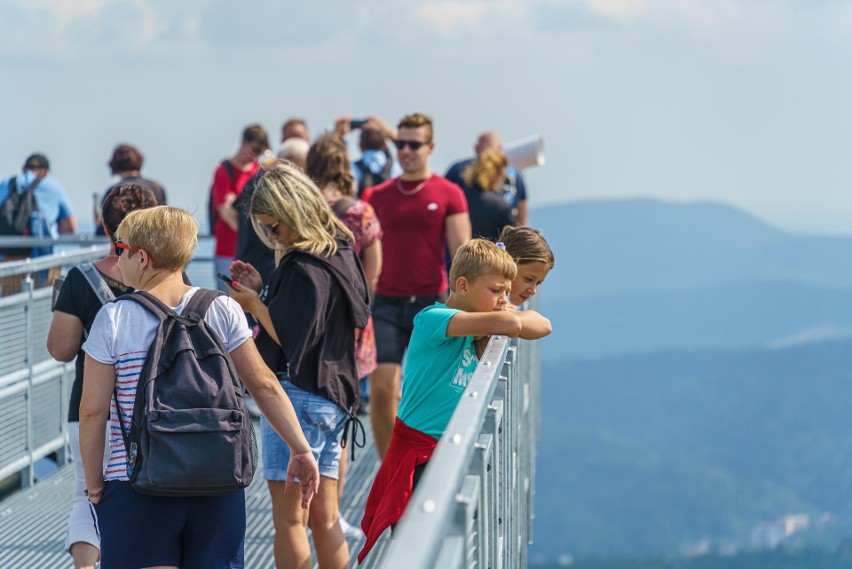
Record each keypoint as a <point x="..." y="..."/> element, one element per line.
<point x="393" y="318"/>
<point x="201" y="532"/>
<point x="323" y="423"/>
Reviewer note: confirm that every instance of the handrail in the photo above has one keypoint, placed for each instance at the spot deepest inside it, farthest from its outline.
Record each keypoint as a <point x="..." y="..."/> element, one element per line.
<point x="473" y="504"/>
<point x="9" y="268"/>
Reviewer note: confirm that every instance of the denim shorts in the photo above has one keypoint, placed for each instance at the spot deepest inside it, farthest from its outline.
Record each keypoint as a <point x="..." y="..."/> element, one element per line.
<point x="201" y="532"/>
<point x="322" y="422"/>
<point x="393" y="319"/>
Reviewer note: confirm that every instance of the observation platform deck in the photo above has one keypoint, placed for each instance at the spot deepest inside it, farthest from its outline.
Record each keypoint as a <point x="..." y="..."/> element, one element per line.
<point x="33" y="520"/>
<point x="472" y="508"/>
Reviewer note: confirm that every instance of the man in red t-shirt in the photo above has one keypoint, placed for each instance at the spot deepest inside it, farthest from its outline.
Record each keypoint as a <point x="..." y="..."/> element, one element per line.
<point x="420" y="213"/>
<point x="228" y="182"/>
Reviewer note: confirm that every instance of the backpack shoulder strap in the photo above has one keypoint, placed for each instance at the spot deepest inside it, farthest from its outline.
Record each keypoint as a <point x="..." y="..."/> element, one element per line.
<point x="197" y="306"/>
<point x="96" y="281"/>
<point x="229" y="169"/>
<point x="13" y="185"/>
<point x="149" y="302"/>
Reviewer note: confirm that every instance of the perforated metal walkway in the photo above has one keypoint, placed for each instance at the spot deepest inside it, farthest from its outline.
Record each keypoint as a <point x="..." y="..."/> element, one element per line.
<point x="32" y="521"/>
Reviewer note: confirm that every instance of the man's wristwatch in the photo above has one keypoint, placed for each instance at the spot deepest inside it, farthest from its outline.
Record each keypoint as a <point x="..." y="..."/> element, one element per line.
<point x="97" y="494"/>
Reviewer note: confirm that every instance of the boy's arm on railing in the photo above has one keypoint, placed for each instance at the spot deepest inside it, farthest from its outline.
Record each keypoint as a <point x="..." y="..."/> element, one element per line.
<point x="534" y="325"/>
<point x="503" y="323"/>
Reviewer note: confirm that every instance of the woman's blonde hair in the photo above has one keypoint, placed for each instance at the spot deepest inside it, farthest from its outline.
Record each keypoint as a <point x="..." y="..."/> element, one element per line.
<point x="479" y="257"/>
<point x="168" y="234"/>
<point x="526" y="245"/>
<point x="487" y="171"/>
<point x="287" y="194"/>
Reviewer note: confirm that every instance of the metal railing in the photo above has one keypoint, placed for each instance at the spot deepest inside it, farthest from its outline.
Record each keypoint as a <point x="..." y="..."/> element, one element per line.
<point x="35" y="388"/>
<point x="473" y="507"/>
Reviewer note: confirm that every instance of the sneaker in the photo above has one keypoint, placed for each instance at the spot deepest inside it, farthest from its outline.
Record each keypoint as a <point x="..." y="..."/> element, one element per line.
<point x="350" y="531"/>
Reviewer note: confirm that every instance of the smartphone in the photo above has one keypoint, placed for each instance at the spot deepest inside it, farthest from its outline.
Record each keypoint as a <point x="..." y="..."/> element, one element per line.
<point x="357" y="123"/>
<point x="225" y="279"/>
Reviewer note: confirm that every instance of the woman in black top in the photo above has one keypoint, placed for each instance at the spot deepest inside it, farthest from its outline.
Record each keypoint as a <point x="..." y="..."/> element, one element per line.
<point x="489" y="212"/>
<point x="315" y="299"/>
<point x="73" y="314"/>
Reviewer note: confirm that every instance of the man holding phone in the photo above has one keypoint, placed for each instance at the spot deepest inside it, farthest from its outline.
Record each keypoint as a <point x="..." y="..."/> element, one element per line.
<point x="376" y="163"/>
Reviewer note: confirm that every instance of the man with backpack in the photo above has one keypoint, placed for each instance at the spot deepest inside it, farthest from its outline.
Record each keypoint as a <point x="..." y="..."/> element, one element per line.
<point x="33" y="203"/>
<point x="229" y="179"/>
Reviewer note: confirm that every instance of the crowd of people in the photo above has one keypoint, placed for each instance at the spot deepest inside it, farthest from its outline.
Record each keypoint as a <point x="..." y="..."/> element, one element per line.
<point x="338" y="278"/>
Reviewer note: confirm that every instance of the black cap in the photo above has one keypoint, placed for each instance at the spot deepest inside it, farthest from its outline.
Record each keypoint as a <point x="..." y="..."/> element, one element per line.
<point x="35" y="161"/>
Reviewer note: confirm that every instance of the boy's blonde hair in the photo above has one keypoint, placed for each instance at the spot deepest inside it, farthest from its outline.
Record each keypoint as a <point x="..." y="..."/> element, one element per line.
<point x="168" y="234"/>
<point x="526" y="245"/>
<point x="480" y="257"/>
<point x="287" y="194"/>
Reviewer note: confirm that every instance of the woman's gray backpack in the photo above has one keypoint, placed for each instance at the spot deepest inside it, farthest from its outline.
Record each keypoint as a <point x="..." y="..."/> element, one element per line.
<point x="190" y="434"/>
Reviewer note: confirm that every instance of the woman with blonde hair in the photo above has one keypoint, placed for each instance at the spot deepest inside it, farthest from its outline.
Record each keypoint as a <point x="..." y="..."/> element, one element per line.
<point x="140" y="530"/>
<point x="489" y="212"/>
<point x="313" y="303"/>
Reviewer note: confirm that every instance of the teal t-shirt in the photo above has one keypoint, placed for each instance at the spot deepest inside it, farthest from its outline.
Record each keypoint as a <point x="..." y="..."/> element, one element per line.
<point x="437" y="370"/>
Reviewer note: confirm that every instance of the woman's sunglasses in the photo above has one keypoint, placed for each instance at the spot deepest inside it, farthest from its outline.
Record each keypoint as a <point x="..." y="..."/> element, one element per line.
<point x="268" y="229"/>
<point x="412" y="144"/>
<point x="121" y="246"/>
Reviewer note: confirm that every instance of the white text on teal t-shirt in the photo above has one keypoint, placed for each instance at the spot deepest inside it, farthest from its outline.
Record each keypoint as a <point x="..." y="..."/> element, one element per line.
<point x="437" y="371"/>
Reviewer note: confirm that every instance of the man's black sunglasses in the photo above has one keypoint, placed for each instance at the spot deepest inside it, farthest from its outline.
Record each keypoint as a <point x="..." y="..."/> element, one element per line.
<point x="412" y="144"/>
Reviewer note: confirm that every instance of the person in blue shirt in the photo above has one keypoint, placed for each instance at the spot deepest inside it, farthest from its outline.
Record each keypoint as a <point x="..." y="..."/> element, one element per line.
<point x="513" y="190"/>
<point x="55" y="216"/>
<point x="445" y="347"/>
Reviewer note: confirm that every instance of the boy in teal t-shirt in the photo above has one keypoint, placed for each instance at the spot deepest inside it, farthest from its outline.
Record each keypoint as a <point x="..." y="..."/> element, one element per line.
<point x="442" y="356"/>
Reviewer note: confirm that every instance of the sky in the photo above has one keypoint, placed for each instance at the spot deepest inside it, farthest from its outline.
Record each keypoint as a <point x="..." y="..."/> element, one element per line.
<point x="746" y="102"/>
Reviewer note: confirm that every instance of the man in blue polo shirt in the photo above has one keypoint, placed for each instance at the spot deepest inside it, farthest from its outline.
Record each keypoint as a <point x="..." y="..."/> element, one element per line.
<point x="514" y="191"/>
<point x="55" y="216"/>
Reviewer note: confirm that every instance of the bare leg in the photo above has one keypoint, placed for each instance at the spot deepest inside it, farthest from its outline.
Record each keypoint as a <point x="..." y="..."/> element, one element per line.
<point x="85" y="555"/>
<point x="341" y="475"/>
<point x="291" y="548"/>
<point x="331" y="547"/>
<point x="384" y="401"/>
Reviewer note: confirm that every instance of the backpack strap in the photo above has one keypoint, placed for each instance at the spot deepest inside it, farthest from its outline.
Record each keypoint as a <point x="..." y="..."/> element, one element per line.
<point x="200" y="302"/>
<point x="97" y="282"/>
<point x="230" y="171"/>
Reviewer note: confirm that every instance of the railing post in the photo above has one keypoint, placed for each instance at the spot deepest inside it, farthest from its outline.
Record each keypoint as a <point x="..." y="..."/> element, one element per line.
<point x="28" y="474"/>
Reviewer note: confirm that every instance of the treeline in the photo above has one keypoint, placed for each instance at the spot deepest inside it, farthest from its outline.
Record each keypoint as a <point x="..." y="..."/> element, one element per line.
<point x="803" y="558"/>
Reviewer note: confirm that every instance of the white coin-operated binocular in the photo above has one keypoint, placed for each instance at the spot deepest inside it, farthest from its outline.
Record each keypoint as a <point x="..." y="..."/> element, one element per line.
<point x="525" y="152"/>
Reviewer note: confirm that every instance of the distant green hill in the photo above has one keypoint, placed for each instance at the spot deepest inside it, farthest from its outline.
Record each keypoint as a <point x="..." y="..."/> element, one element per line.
<point x="629" y="246"/>
<point x="637" y="276"/>
<point x="722" y="317"/>
<point x="643" y="454"/>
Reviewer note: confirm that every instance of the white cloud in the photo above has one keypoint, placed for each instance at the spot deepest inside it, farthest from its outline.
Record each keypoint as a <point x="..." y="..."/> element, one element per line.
<point x="455" y="18"/>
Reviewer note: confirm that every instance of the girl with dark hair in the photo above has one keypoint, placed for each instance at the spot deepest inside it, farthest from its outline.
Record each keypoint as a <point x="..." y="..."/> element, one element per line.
<point x="76" y="307"/>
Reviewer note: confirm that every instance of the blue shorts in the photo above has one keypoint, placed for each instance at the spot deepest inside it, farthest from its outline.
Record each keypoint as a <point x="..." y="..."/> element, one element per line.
<point x="322" y="422"/>
<point x="393" y="320"/>
<point x="138" y="530"/>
